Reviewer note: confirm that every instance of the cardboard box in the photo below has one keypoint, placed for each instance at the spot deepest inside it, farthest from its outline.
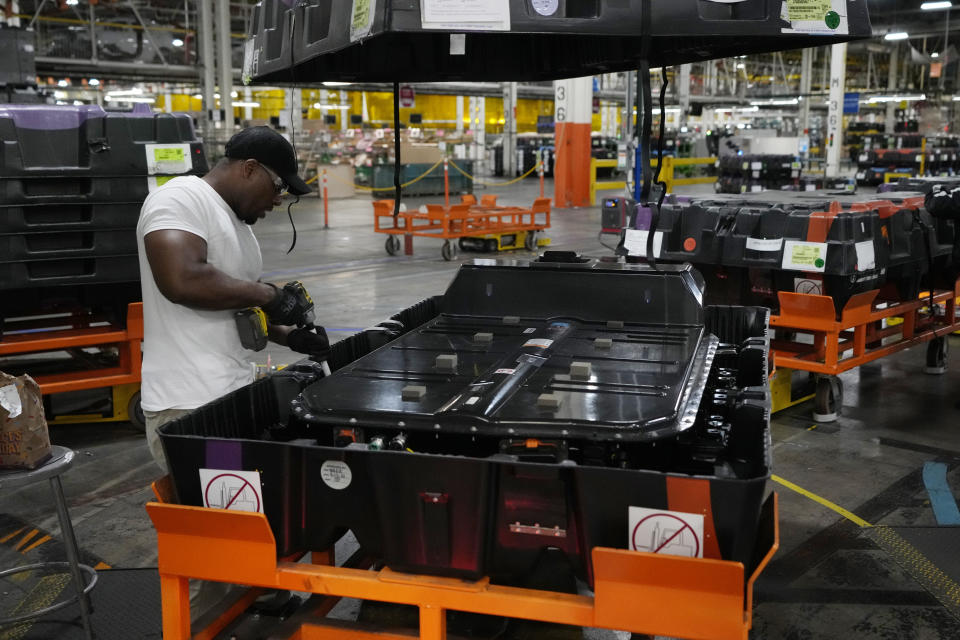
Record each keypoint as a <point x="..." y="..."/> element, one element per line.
<point x="418" y="153"/>
<point x="24" y="439"/>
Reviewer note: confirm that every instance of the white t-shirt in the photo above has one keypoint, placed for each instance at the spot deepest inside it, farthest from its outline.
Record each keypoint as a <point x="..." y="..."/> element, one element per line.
<point x="193" y="356"/>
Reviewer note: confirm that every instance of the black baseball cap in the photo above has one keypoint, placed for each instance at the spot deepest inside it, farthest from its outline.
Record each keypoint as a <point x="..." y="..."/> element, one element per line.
<point x="268" y="147"/>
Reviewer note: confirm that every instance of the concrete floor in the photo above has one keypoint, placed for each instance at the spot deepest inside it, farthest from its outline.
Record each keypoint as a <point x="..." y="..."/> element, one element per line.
<point x="830" y="579"/>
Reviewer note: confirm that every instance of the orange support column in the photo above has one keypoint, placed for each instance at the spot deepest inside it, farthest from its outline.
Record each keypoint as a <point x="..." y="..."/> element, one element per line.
<point x="573" y="104"/>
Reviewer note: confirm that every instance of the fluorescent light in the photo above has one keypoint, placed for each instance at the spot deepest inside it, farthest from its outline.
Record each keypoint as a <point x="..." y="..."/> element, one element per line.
<point x="143" y="100"/>
<point x="336" y="84"/>
<point x="72" y="3"/>
<point x="906" y="98"/>
<point x="317" y="105"/>
<point x="896" y="35"/>
<point x="177" y="42"/>
<point x="956" y="98"/>
<point x="198" y="96"/>
<point x="772" y="102"/>
<point x="93" y="82"/>
<point x="246" y="104"/>
<point x="740" y="65"/>
<point x="934" y="55"/>
<point x="936" y="5"/>
<point x="127" y="92"/>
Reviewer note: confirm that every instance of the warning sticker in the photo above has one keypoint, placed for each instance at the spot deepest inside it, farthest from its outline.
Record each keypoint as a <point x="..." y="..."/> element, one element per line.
<point x="336" y="474"/>
<point x="231" y="490"/>
<point x="808" y="285"/>
<point x="673" y="533"/>
<point x="764" y="244"/>
<point x="815" y="16"/>
<point x="804" y="256"/>
<point x="538" y="343"/>
<point x="168" y="158"/>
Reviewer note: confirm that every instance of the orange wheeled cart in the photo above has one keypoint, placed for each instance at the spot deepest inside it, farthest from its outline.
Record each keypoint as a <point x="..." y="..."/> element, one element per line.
<point x="633" y="591"/>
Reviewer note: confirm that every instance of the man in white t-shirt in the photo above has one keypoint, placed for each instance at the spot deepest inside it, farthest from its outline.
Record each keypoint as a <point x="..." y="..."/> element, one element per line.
<point x="199" y="263"/>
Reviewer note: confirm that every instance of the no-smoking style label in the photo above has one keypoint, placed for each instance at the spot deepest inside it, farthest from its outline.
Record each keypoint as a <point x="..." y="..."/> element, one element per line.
<point x="231" y="490"/>
<point x="336" y="474"/>
<point x="673" y="533"/>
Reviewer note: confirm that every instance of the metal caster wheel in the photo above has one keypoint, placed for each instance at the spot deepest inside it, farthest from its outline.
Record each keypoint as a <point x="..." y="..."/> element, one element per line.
<point x="393" y="245"/>
<point x="937" y="350"/>
<point x="135" y="411"/>
<point x="828" y="399"/>
<point x="448" y="250"/>
<point x="530" y="242"/>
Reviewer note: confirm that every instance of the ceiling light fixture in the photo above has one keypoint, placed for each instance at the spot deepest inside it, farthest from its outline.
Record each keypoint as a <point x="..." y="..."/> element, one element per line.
<point x="936" y="5"/>
<point x="896" y="35"/>
<point x="177" y="42"/>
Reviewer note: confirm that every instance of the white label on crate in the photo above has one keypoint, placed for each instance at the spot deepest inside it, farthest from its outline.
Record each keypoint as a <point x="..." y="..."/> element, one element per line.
<point x="815" y="16"/>
<point x="508" y="372"/>
<point x="804" y="256"/>
<point x="810" y="187"/>
<point x="466" y="15"/>
<point x="539" y="343"/>
<point x="672" y="533"/>
<point x="336" y="474"/>
<point x="529" y="329"/>
<point x="231" y="490"/>
<point x="756" y="188"/>
<point x="866" y="259"/>
<point x="10" y="400"/>
<point x="361" y="19"/>
<point x="764" y="244"/>
<point x="472" y="400"/>
<point x="863" y="157"/>
<point x="808" y="285"/>
<point x="635" y="242"/>
<point x="756" y="165"/>
<point x="168" y="158"/>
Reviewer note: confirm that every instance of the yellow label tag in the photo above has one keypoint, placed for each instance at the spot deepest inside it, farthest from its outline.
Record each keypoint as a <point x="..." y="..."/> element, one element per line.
<point x="162" y="180"/>
<point x="168" y="155"/>
<point x="361" y="15"/>
<point x="806" y="254"/>
<point x="808" y="9"/>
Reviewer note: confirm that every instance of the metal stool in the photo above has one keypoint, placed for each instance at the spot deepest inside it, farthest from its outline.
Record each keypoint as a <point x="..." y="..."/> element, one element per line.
<point x="60" y="461"/>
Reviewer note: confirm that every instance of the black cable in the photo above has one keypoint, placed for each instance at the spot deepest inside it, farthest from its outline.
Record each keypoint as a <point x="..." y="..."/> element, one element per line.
<point x="396" y="150"/>
<point x="290" y="215"/>
<point x="655" y="210"/>
<point x="644" y="128"/>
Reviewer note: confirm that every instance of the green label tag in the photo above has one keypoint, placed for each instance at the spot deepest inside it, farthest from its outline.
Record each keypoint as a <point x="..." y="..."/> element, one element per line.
<point x="162" y="180"/>
<point x="832" y="19"/>
<point x="805" y="254"/>
<point x="168" y="155"/>
<point x="814" y="10"/>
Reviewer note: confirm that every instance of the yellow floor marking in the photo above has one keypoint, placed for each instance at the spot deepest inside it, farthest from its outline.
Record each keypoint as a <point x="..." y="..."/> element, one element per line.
<point x="36" y="544"/>
<point x="857" y="520"/>
<point x="26" y="539"/>
<point x="812" y="428"/>
<point x="45" y="593"/>
<point x="10" y="535"/>
<point x="101" y="566"/>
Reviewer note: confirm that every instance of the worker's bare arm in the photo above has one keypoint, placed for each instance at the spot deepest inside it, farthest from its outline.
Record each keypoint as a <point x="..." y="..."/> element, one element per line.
<point x="178" y="260"/>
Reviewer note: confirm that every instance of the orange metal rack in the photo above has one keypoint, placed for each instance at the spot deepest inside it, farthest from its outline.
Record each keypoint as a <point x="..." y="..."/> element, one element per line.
<point x="458" y="221"/>
<point x="79" y="331"/>
<point x="640" y="592"/>
<point x="858" y="337"/>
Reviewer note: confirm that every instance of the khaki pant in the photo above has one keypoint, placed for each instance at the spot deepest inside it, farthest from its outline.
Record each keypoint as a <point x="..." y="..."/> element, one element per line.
<point x="155" y="420"/>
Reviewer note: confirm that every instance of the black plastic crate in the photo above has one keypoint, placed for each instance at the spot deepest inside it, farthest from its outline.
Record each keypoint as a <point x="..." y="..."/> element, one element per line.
<point x="66" y="244"/>
<point x="318" y="40"/>
<point x="69" y="271"/>
<point x="453" y="504"/>
<point x="78" y="141"/>
<point x="76" y="190"/>
<point x="110" y="299"/>
<point x="69" y="217"/>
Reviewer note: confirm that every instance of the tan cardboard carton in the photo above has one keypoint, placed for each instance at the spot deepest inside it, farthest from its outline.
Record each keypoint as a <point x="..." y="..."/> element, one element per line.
<point x="24" y="439"/>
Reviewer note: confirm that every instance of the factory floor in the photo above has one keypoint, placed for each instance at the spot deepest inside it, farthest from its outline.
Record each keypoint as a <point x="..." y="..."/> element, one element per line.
<point x="835" y="576"/>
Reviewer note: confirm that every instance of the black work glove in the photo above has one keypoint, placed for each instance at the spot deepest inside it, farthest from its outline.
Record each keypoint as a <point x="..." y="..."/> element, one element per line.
<point x="285" y="309"/>
<point x="316" y="345"/>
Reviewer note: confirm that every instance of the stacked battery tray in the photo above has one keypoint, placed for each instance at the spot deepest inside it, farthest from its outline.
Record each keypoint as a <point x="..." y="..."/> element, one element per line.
<point x="512" y="421"/>
<point x="749" y="248"/>
<point x="72" y="180"/>
<point x="751" y="173"/>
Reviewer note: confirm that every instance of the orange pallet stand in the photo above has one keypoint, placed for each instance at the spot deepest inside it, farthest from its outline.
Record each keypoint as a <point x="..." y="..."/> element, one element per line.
<point x="641" y="592"/>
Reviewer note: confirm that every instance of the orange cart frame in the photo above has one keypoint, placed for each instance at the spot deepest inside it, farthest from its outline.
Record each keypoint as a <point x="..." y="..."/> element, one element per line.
<point x="75" y="332"/>
<point x="640" y="592"/>
<point x="458" y="221"/>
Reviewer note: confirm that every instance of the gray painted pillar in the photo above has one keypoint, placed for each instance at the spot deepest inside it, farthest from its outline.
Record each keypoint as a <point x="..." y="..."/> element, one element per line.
<point x="509" y="129"/>
<point x="208" y="79"/>
<point x="892" y="88"/>
<point x="683" y="93"/>
<point x="806" y="71"/>
<point x="834" y="141"/>
<point x="224" y="45"/>
<point x="460" y="115"/>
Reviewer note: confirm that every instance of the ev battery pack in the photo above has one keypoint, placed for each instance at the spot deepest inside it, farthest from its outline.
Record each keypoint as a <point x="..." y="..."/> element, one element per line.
<point x="500" y="40"/>
<point x="392" y="447"/>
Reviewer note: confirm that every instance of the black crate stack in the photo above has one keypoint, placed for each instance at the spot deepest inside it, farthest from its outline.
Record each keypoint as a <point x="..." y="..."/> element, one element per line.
<point x="72" y="181"/>
<point x="752" y="173"/>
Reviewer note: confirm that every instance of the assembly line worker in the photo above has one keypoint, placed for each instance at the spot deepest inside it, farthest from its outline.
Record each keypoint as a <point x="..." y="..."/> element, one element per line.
<point x="199" y="263"/>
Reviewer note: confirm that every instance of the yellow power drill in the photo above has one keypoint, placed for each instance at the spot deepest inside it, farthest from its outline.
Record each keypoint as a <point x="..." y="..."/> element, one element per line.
<point x="252" y="322"/>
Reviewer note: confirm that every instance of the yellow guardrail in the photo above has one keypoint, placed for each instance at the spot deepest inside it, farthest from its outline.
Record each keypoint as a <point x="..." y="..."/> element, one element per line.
<point x="894" y="175"/>
<point x="667" y="174"/>
<point x="607" y="184"/>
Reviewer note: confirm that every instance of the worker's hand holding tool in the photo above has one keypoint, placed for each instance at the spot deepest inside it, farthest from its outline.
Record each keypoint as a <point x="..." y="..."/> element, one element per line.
<point x="310" y="341"/>
<point x="290" y="306"/>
